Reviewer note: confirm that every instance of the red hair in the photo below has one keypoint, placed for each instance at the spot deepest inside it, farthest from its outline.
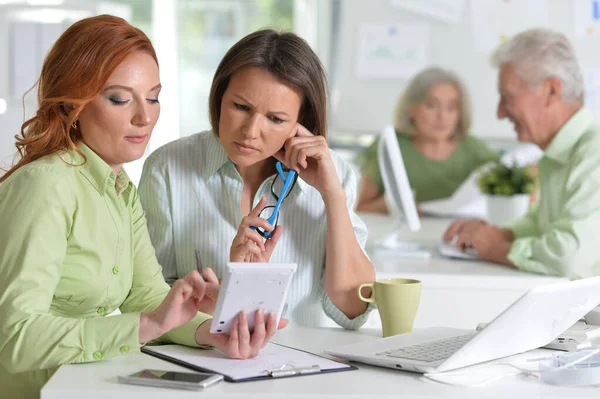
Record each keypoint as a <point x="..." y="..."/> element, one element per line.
<point x="73" y="74"/>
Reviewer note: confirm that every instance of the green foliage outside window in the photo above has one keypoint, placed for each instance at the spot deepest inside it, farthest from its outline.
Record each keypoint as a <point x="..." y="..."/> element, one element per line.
<point x="209" y="27"/>
<point x="141" y="13"/>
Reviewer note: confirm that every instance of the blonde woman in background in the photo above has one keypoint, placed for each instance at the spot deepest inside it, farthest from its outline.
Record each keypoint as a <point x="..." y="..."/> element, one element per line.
<point x="432" y="119"/>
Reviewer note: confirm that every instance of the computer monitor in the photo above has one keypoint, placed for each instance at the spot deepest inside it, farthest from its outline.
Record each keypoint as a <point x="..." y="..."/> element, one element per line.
<point x="398" y="197"/>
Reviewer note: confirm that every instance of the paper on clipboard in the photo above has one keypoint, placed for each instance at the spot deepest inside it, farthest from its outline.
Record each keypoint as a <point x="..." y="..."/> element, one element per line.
<point x="272" y="357"/>
<point x="467" y="200"/>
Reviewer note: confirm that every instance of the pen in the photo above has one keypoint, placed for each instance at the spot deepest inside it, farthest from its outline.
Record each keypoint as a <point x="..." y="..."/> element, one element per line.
<point x="295" y="371"/>
<point x="199" y="262"/>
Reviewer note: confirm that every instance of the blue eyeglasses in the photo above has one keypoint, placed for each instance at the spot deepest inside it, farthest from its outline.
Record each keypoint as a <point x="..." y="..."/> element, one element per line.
<point x="270" y="212"/>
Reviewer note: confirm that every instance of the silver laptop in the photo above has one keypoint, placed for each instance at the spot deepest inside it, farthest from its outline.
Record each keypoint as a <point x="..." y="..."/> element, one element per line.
<point x="534" y="320"/>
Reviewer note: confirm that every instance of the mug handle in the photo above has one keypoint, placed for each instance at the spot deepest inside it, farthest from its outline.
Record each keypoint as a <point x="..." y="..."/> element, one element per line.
<point x="362" y="298"/>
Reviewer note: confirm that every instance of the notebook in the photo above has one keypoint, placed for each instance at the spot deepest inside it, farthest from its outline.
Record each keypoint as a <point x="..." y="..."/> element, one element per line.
<point x="274" y="361"/>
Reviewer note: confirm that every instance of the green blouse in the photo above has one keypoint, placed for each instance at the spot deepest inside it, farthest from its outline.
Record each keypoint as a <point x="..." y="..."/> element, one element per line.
<point x="431" y="179"/>
<point x="74" y="247"/>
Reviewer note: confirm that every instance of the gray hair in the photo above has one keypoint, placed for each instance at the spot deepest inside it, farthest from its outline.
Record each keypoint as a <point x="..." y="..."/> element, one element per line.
<point x="539" y="54"/>
<point x="417" y="91"/>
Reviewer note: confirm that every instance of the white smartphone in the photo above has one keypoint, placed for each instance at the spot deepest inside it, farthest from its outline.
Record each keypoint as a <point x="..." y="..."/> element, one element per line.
<point x="249" y="287"/>
<point x="172" y="379"/>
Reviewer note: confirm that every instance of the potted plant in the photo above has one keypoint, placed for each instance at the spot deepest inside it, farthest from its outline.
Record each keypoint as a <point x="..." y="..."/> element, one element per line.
<point x="507" y="189"/>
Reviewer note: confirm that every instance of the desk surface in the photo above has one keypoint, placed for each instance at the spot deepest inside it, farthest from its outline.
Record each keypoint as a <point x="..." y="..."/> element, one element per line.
<point x="456" y="293"/>
<point x="99" y="380"/>
<point x="439" y="270"/>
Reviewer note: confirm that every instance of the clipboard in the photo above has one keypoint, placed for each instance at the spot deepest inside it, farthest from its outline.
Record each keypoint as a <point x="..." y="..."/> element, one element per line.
<point x="276" y="361"/>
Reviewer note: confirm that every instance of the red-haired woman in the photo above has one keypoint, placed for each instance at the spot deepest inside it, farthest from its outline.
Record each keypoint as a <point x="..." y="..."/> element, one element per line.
<point x="73" y="239"/>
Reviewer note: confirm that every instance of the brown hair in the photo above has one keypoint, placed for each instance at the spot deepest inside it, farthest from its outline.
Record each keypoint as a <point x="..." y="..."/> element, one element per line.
<point x="73" y="74"/>
<point x="289" y="58"/>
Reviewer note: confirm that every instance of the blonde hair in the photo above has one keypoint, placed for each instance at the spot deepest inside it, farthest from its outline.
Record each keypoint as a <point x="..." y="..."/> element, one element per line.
<point x="417" y="91"/>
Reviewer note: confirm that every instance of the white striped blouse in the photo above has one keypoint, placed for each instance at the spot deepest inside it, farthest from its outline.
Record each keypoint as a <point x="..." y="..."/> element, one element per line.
<point x="192" y="192"/>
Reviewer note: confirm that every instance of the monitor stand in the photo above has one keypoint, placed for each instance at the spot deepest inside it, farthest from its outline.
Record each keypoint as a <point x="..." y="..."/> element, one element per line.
<point x="392" y="245"/>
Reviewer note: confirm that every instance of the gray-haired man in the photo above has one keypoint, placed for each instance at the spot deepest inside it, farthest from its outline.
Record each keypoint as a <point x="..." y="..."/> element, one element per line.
<point x="541" y="93"/>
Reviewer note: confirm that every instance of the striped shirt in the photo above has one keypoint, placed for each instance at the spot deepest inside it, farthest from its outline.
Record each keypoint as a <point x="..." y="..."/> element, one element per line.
<point x="192" y="194"/>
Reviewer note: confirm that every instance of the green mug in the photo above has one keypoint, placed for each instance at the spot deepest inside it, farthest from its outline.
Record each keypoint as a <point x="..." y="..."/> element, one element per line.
<point x="397" y="300"/>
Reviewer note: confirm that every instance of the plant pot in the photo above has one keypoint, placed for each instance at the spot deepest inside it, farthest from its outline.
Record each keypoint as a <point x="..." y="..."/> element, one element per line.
<point x="502" y="209"/>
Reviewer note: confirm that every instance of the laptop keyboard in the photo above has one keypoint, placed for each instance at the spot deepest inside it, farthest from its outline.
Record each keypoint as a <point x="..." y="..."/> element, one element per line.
<point x="429" y="351"/>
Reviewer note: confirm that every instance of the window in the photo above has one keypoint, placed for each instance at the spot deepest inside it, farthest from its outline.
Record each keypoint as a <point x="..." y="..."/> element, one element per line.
<point x="190" y="37"/>
<point x="207" y="29"/>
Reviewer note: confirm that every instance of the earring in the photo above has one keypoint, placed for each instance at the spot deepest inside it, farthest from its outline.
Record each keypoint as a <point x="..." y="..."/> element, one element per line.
<point x="74" y="125"/>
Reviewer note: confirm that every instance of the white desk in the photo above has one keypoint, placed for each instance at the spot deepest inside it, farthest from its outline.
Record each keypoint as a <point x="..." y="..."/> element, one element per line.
<point x="456" y="293"/>
<point x="99" y="380"/>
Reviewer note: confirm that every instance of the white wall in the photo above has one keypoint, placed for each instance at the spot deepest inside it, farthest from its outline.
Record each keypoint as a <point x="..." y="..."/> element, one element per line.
<point x="6" y="119"/>
<point x="365" y="105"/>
<point x="29" y="41"/>
<point x="7" y="138"/>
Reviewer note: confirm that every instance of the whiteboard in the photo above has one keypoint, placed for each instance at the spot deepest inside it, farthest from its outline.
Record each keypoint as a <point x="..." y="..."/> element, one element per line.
<point x="365" y="105"/>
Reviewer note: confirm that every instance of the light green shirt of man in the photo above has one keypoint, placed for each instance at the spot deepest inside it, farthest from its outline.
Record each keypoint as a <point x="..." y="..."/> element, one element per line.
<point x="74" y="247"/>
<point x="561" y="235"/>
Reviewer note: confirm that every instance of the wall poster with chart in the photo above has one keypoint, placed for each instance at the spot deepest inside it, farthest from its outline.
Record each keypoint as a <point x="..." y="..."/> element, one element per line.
<point x="391" y="50"/>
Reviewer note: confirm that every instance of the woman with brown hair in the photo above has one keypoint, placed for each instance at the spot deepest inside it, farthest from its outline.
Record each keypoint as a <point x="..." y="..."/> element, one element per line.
<point x="207" y="196"/>
<point x="73" y="235"/>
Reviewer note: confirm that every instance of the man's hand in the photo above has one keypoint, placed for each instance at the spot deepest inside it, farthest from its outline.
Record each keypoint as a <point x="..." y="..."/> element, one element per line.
<point x="491" y="242"/>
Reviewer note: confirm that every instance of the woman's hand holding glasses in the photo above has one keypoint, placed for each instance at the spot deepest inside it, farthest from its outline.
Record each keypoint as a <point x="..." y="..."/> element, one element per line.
<point x="248" y="245"/>
<point x="309" y="156"/>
